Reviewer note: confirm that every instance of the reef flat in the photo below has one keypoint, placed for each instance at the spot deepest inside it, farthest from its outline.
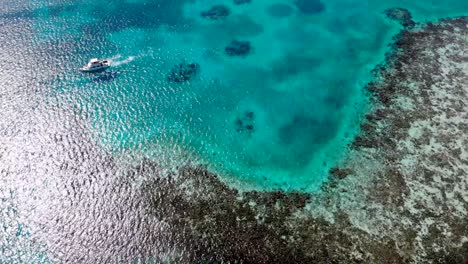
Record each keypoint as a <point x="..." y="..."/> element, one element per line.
<point x="402" y="197"/>
<point x="413" y="150"/>
<point x="399" y="197"/>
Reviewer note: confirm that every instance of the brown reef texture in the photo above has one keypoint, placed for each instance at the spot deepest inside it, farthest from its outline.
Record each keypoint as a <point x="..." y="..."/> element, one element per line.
<point x="401" y="197"/>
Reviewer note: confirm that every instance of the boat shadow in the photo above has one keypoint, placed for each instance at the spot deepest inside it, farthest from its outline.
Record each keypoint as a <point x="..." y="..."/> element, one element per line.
<point x="105" y="76"/>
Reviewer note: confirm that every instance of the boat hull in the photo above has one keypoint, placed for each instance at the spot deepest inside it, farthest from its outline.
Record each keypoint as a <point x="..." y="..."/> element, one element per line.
<point x="95" y="69"/>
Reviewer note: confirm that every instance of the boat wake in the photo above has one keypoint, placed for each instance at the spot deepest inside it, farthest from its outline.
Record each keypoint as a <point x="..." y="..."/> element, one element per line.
<point x="119" y="60"/>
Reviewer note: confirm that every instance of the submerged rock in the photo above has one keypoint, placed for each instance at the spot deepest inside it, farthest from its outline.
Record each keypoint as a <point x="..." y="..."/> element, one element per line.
<point x="216" y="12"/>
<point x="240" y="2"/>
<point x="245" y="122"/>
<point x="310" y="7"/>
<point x="340" y="173"/>
<point x="249" y="115"/>
<point x="238" y="48"/>
<point x="183" y="72"/>
<point x="401" y="15"/>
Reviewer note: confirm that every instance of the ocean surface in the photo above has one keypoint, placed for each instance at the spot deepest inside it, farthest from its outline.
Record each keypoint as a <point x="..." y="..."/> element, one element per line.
<point x="266" y="94"/>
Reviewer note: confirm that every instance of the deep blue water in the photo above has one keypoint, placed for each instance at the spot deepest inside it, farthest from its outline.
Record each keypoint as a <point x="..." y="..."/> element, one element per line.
<point x="268" y="94"/>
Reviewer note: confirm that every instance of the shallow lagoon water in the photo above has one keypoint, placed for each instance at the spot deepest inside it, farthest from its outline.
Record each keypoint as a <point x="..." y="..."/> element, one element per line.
<point x="298" y="93"/>
<point x="278" y="117"/>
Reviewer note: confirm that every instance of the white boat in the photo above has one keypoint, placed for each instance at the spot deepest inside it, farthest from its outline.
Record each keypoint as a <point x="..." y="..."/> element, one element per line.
<point x="95" y="65"/>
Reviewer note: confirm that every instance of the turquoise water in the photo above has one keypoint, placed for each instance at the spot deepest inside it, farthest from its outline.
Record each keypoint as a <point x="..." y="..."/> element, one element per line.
<point x="279" y="116"/>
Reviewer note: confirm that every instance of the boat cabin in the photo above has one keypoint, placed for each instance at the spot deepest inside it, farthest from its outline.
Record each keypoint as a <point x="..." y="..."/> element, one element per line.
<point x="94" y="63"/>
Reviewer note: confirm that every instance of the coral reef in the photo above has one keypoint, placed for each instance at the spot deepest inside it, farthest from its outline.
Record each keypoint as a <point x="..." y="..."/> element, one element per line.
<point x="241" y="2"/>
<point x="401" y="15"/>
<point x="414" y="177"/>
<point x="245" y="122"/>
<point x="238" y="48"/>
<point x="216" y="12"/>
<point x="310" y="7"/>
<point x="401" y="197"/>
<point x="183" y="72"/>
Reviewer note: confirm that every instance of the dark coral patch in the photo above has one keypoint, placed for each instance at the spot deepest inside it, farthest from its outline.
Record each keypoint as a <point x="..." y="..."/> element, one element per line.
<point x="241" y="2"/>
<point x="238" y="48"/>
<point x="310" y="7"/>
<point x="183" y="72"/>
<point x="216" y="12"/>
<point x="245" y="122"/>
<point x="340" y="173"/>
<point x="401" y="15"/>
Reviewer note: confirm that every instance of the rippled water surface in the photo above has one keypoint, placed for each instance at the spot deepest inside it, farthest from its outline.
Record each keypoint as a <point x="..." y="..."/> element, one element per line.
<point x="276" y="113"/>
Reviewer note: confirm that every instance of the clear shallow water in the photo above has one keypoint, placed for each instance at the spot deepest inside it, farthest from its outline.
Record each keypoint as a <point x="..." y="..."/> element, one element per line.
<point x="303" y="81"/>
<point x="279" y="117"/>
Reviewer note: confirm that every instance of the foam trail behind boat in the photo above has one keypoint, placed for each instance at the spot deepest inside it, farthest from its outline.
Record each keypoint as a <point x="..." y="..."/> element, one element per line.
<point x="118" y="56"/>
<point x="116" y="62"/>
